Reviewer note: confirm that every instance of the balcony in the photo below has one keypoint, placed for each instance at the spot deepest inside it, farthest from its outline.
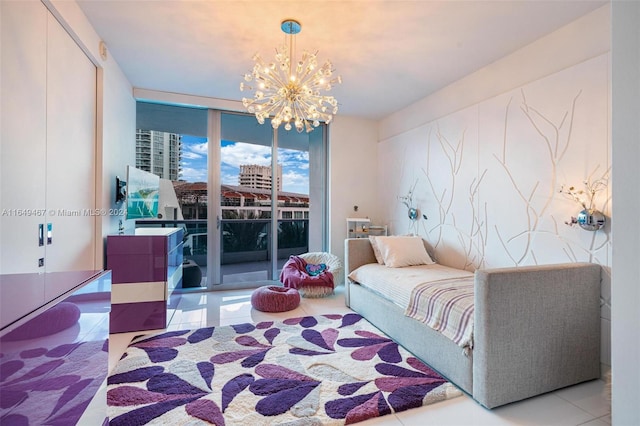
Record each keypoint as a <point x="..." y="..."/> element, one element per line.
<point x="246" y="251"/>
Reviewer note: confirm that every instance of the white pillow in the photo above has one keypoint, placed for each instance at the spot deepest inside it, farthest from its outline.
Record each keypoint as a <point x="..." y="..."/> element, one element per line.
<point x="376" y="249"/>
<point x="399" y="251"/>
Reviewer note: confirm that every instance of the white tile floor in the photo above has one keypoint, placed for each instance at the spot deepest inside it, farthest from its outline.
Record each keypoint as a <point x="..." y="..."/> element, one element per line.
<point x="584" y="404"/>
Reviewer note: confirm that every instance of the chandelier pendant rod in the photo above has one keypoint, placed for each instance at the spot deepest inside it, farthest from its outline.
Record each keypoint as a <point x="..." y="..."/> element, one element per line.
<point x="290" y="54"/>
<point x="290" y="27"/>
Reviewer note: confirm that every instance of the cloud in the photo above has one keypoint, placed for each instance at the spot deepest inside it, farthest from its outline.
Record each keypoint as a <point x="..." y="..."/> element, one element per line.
<point x="192" y="148"/>
<point x="193" y="175"/>
<point x="229" y="175"/>
<point x="190" y="155"/>
<point x="240" y="153"/>
<point x="295" y="164"/>
<point x="293" y="159"/>
<point x="194" y="159"/>
<point x="200" y="148"/>
<point x="293" y="181"/>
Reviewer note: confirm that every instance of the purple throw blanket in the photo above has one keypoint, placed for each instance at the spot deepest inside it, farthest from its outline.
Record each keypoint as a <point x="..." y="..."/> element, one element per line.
<point x="294" y="274"/>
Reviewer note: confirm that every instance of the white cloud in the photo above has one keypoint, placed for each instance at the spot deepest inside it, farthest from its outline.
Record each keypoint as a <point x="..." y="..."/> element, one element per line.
<point x="243" y="153"/>
<point x="293" y="159"/>
<point x="294" y="163"/>
<point x="293" y="154"/>
<point x="193" y="175"/>
<point x="200" y="148"/>
<point x="229" y="179"/>
<point x="190" y="155"/>
<point x="295" y="182"/>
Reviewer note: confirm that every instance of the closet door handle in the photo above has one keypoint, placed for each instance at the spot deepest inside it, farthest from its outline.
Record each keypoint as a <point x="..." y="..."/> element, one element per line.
<point x="40" y="234"/>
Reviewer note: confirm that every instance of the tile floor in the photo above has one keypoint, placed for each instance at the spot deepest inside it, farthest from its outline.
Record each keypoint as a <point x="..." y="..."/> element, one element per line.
<point x="584" y="404"/>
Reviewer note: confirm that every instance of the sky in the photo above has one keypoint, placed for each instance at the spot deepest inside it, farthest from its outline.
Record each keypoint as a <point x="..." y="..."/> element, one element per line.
<point x="295" y="164"/>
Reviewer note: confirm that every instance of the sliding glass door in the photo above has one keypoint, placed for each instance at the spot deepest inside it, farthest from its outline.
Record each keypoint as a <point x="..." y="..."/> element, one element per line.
<point x="264" y="210"/>
<point x="247" y="196"/>
<point x="246" y="158"/>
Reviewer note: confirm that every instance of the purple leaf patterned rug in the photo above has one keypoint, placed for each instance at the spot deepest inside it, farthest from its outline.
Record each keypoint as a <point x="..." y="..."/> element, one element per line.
<point x="327" y="369"/>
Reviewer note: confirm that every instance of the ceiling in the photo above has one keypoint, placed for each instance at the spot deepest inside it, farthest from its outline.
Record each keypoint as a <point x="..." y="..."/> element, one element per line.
<point x="389" y="53"/>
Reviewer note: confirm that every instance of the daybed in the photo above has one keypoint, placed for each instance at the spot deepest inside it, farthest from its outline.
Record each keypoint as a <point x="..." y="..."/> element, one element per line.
<point x="535" y="328"/>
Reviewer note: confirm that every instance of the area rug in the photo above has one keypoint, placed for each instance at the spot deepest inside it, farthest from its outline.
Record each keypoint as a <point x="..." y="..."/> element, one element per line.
<point x="314" y="370"/>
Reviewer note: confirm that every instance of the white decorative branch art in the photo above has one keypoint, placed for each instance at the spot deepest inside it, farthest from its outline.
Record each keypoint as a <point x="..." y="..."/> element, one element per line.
<point x="551" y="129"/>
<point x="554" y="138"/>
<point x="491" y="174"/>
<point x="457" y="227"/>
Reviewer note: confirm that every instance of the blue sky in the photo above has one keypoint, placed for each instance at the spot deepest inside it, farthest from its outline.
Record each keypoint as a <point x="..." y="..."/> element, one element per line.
<point x="295" y="164"/>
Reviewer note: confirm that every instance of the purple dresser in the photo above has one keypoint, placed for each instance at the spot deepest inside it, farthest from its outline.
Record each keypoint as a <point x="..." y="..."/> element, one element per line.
<point x="54" y="360"/>
<point x="146" y="268"/>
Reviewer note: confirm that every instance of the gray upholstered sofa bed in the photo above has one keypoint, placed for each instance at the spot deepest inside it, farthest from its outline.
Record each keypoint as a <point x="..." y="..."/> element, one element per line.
<point x="536" y="328"/>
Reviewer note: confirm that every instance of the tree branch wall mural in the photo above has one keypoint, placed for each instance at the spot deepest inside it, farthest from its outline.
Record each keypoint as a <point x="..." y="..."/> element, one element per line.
<point x="489" y="176"/>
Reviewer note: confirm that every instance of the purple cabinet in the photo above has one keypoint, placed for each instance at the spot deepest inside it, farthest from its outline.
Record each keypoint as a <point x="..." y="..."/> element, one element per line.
<point x="146" y="268"/>
<point x="54" y="360"/>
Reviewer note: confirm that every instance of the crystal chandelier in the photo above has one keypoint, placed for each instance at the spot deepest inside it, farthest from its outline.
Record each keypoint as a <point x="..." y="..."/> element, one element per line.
<point x="289" y="91"/>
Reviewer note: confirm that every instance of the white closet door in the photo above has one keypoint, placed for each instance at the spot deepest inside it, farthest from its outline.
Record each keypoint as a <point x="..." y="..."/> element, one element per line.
<point x="23" y="70"/>
<point x="70" y="184"/>
<point x="23" y="53"/>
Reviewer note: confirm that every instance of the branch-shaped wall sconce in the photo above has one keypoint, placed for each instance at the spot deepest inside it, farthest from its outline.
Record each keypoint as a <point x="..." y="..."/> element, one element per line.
<point x="589" y="218"/>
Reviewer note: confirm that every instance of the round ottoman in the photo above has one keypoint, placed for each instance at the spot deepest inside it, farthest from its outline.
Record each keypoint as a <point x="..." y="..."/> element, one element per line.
<point x="271" y="298"/>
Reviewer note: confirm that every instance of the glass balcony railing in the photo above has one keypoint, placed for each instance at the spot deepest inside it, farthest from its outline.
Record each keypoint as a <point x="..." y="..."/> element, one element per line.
<point x="244" y="242"/>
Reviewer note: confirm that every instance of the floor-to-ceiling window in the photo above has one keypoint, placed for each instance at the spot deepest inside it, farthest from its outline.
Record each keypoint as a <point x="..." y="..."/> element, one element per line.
<point x="172" y="143"/>
<point x="265" y="198"/>
<point x="246" y="195"/>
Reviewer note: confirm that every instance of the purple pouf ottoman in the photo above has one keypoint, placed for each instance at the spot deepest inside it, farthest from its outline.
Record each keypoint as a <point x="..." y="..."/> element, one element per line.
<point x="271" y="298"/>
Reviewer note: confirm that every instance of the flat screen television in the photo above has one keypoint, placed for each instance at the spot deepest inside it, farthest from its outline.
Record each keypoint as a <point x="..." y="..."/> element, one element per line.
<point x="143" y="190"/>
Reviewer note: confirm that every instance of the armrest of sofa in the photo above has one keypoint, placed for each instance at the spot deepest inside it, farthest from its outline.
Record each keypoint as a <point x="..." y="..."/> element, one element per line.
<point x="357" y="252"/>
<point x="537" y="329"/>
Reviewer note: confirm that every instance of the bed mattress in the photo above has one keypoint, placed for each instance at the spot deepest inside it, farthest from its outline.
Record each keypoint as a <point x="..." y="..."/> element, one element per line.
<point x="437" y="295"/>
<point x="397" y="284"/>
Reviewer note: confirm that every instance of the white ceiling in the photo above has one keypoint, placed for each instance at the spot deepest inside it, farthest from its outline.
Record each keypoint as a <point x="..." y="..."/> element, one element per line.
<point x="389" y="53"/>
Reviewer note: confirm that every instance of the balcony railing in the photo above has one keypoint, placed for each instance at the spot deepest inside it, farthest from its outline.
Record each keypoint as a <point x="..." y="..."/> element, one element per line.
<point x="241" y="240"/>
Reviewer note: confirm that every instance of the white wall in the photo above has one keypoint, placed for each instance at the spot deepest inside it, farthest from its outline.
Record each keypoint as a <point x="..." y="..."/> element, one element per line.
<point x="488" y="155"/>
<point x="23" y="100"/>
<point x="585" y="38"/>
<point x="118" y="141"/>
<point x="116" y="116"/>
<point x="353" y="176"/>
<point x="626" y="204"/>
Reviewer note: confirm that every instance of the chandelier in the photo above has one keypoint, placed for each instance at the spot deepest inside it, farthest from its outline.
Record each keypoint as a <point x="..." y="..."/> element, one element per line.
<point x="289" y="90"/>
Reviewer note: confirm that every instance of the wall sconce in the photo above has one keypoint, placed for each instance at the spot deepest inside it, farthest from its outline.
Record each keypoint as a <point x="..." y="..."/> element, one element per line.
<point x="407" y="200"/>
<point x="589" y="219"/>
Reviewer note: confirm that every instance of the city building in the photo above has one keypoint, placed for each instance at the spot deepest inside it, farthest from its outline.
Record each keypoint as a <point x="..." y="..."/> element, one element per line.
<point x="239" y="202"/>
<point x="254" y="176"/>
<point x="159" y="153"/>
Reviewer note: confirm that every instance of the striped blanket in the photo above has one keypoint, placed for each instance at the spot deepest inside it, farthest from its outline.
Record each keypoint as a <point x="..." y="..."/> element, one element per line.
<point x="446" y="306"/>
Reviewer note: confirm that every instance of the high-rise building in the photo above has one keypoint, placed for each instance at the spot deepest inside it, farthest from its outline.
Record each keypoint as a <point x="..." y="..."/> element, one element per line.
<point x="254" y="176"/>
<point x="159" y="153"/>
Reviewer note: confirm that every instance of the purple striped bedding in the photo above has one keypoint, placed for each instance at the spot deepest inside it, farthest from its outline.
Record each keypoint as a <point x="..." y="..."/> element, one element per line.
<point x="438" y="295"/>
<point x="447" y="307"/>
